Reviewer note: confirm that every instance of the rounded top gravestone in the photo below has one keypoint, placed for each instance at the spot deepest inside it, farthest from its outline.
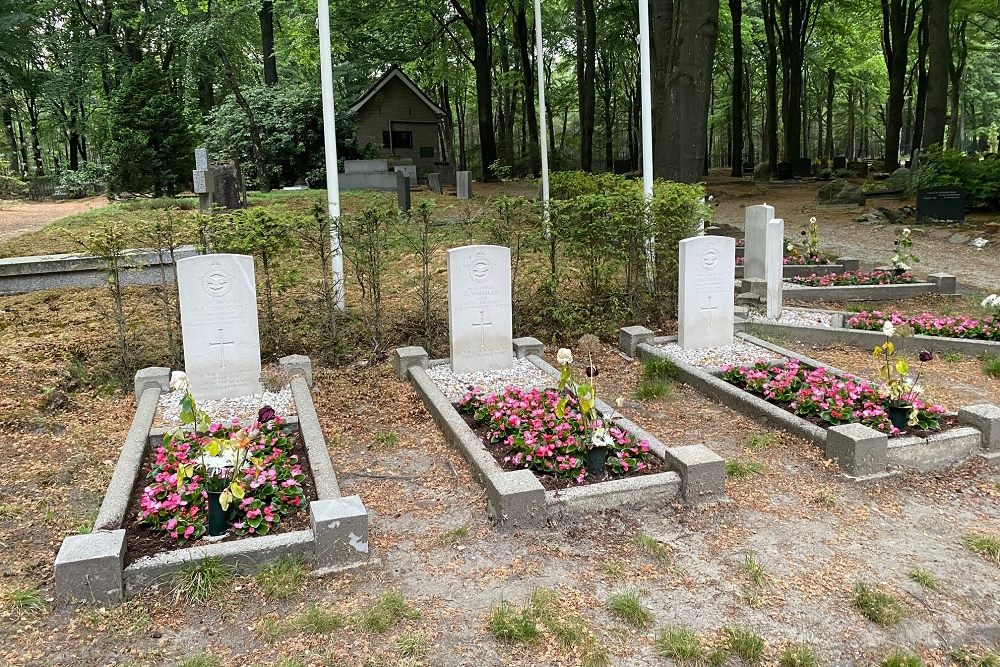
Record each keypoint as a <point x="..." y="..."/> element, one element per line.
<point x="480" y="314"/>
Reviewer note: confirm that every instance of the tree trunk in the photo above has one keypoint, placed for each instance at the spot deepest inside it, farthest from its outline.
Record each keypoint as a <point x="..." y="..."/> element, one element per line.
<point x="586" y="56"/>
<point x="8" y="129"/>
<point x="36" y="145"/>
<point x="482" y="63"/>
<point x="796" y="22"/>
<point x="831" y="78"/>
<point x="683" y="49"/>
<point x="939" y="53"/>
<point x="449" y="125"/>
<point x="736" y="104"/>
<point x="528" y="76"/>
<point x="266" y="16"/>
<point x="898" y="20"/>
<point x="770" y="143"/>
<point x="74" y="137"/>
<point x="921" y="101"/>
<point x="955" y="71"/>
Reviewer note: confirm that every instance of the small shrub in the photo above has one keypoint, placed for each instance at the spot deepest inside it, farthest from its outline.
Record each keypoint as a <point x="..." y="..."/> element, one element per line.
<point x="627" y="606"/>
<point x="659" y="551"/>
<point x="983" y="544"/>
<point x="201" y="580"/>
<point x="681" y="644"/>
<point x="991" y="365"/>
<point x="318" y="620"/>
<point x="740" y="469"/>
<point x="798" y="655"/>
<point x="745" y="643"/>
<point x="901" y="658"/>
<point x="759" y="441"/>
<point x="925" y="578"/>
<point x="877" y="606"/>
<point x="384" y="613"/>
<point x="655" y="381"/>
<point x="511" y="625"/>
<point x="281" y="578"/>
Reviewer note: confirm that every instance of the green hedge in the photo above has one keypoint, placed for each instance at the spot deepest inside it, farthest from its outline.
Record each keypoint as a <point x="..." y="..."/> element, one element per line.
<point x="978" y="175"/>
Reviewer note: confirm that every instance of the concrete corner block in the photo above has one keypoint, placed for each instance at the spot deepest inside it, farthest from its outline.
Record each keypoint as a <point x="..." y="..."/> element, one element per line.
<point x="340" y="531"/>
<point x="516" y="499"/>
<point x="849" y="263"/>
<point x="297" y="364"/>
<point x="89" y="567"/>
<point x="985" y="418"/>
<point x="405" y="358"/>
<point x="859" y="450"/>
<point x="702" y="471"/>
<point x="630" y="338"/>
<point x="756" y="287"/>
<point x="527" y="346"/>
<point x="154" y="377"/>
<point x="946" y="283"/>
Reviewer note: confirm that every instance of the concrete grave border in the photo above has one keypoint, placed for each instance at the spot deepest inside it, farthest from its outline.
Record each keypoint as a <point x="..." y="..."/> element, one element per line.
<point x="861" y="452"/>
<point x="862" y="338"/>
<point x="840" y="265"/>
<point x="21" y="275"/>
<point x="937" y="283"/>
<point x="90" y="567"/>
<point x="518" y="499"/>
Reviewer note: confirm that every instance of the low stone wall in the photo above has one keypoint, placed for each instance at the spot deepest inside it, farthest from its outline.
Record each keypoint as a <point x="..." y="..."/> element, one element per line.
<point x="861" y="452"/>
<point x="518" y="499"/>
<point x="90" y="567"/>
<point x="19" y="275"/>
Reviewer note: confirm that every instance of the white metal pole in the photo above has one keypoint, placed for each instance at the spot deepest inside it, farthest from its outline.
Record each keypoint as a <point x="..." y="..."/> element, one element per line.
<point x="543" y="127"/>
<point x="330" y="143"/>
<point x="647" y="138"/>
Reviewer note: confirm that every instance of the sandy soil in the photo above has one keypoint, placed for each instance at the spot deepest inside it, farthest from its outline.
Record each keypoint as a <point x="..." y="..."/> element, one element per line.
<point x="28" y="216"/>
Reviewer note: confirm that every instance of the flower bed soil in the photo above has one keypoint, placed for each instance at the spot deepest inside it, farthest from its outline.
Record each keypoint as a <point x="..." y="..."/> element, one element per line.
<point x="142" y="540"/>
<point x="499" y="452"/>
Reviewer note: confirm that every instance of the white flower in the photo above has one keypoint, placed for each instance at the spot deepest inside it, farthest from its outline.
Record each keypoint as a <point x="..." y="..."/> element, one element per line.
<point x="220" y="462"/>
<point x="906" y="231"/>
<point x="888" y="329"/>
<point x="602" y="438"/>
<point x="620" y="402"/>
<point x="564" y="356"/>
<point x="812" y="220"/>
<point x="711" y="197"/>
<point x="179" y="381"/>
<point x="991" y="301"/>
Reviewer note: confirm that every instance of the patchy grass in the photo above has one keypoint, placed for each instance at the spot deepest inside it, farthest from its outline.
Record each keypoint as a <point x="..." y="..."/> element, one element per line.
<point x="798" y="655"/>
<point x="925" y="578"/>
<point x="760" y="441"/>
<point x="826" y="497"/>
<point x="412" y="645"/>
<point x="741" y="469"/>
<point x="201" y="581"/>
<point x="680" y="643"/>
<point x="453" y="536"/>
<point x="614" y="569"/>
<point x="901" y="658"/>
<point x="282" y="578"/>
<point x="384" y="441"/>
<point x="991" y="365"/>
<point x="627" y="606"/>
<point x="659" y="551"/>
<point x="656" y="380"/>
<point x="745" y="643"/>
<point x="877" y="605"/>
<point x="385" y="612"/>
<point x="201" y="660"/>
<point x="24" y="602"/>
<point x="984" y="545"/>
<point x="317" y="620"/>
<point x="511" y="625"/>
<point x="271" y="630"/>
<point x="754" y="569"/>
<point x="952" y="357"/>
<point x="973" y="656"/>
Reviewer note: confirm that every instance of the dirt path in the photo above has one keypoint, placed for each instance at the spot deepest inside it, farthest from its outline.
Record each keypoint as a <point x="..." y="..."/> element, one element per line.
<point x="841" y="234"/>
<point x="29" y="216"/>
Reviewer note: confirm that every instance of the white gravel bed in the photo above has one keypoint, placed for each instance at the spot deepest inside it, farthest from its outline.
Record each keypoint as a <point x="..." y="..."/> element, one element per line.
<point x="713" y="357"/>
<point x="524" y="374"/>
<point x="243" y="408"/>
<point x="806" y="318"/>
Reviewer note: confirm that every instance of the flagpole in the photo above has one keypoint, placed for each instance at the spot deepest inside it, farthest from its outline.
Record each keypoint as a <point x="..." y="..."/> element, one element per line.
<point x="542" y="120"/>
<point x="330" y="144"/>
<point x="647" y="140"/>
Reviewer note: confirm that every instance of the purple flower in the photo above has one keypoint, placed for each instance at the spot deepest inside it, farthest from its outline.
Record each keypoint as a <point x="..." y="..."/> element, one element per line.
<point x="926" y="355"/>
<point x="592" y="371"/>
<point x="266" y="414"/>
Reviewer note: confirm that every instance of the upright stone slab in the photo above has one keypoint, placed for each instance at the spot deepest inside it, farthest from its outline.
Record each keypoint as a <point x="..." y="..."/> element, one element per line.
<point x="464" y="184"/>
<point x="774" y="244"/>
<point x="434" y="182"/>
<point x="755" y="232"/>
<point x="228" y="187"/>
<point x="201" y="159"/>
<point x="480" y="321"/>
<point x="705" y="292"/>
<point x="403" y="191"/>
<point x="218" y="301"/>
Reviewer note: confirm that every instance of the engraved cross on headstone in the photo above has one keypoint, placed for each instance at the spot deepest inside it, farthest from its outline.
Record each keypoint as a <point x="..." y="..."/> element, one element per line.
<point x="482" y="324"/>
<point x="221" y="344"/>
<point x="709" y="309"/>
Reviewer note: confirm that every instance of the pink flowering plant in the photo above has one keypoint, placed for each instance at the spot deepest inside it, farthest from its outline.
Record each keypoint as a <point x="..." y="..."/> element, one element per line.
<point x="853" y="278"/>
<point x="263" y="477"/>
<point x="818" y="393"/>
<point x="928" y="324"/>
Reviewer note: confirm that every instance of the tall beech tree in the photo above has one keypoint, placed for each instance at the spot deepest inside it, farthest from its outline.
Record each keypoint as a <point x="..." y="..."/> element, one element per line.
<point x="898" y="22"/>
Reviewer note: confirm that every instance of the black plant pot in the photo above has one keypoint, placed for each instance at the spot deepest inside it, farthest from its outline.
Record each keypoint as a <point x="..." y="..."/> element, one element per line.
<point x="596" y="457"/>
<point x="899" y="272"/>
<point x="899" y="415"/>
<point x="218" y="518"/>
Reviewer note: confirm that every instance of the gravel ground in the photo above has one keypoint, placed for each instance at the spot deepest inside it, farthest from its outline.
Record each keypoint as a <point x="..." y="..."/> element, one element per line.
<point x="523" y="374"/>
<point x="713" y="357"/>
<point x="807" y="318"/>
<point x="243" y="408"/>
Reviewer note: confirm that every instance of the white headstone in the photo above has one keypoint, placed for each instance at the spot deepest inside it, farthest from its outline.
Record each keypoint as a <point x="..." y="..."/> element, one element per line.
<point x="463" y="184"/>
<point x="775" y="261"/>
<point x="755" y="233"/>
<point x="480" y="316"/>
<point x="201" y="159"/>
<point x="203" y="181"/>
<point x="218" y="301"/>
<point x="705" y="292"/>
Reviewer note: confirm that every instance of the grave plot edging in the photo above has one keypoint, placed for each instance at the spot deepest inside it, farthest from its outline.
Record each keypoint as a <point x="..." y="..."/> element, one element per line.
<point x="861" y="292"/>
<point x="801" y="270"/>
<point x="936" y="451"/>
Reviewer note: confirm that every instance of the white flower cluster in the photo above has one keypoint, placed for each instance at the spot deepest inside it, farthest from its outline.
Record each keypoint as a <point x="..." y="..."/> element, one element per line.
<point x="888" y="329"/>
<point x="179" y="381"/>
<point x="564" y="356"/>
<point x="992" y="301"/>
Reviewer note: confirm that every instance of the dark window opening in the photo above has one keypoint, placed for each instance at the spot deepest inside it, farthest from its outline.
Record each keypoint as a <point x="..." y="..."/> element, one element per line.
<point x="400" y="139"/>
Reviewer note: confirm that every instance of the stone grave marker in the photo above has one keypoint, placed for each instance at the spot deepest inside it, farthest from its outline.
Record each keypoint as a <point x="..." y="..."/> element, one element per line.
<point x="434" y="182"/>
<point x="802" y="167"/>
<point x="943" y="202"/>
<point x="839" y="163"/>
<point x="403" y="191"/>
<point x="218" y="302"/>
<point x="859" y="168"/>
<point x="204" y="180"/>
<point x="785" y="172"/>
<point x="228" y="188"/>
<point x="464" y="184"/>
<point x="480" y="315"/>
<point x="755" y="232"/>
<point x="774" y="243"/>
<point x="705" y="292"/>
